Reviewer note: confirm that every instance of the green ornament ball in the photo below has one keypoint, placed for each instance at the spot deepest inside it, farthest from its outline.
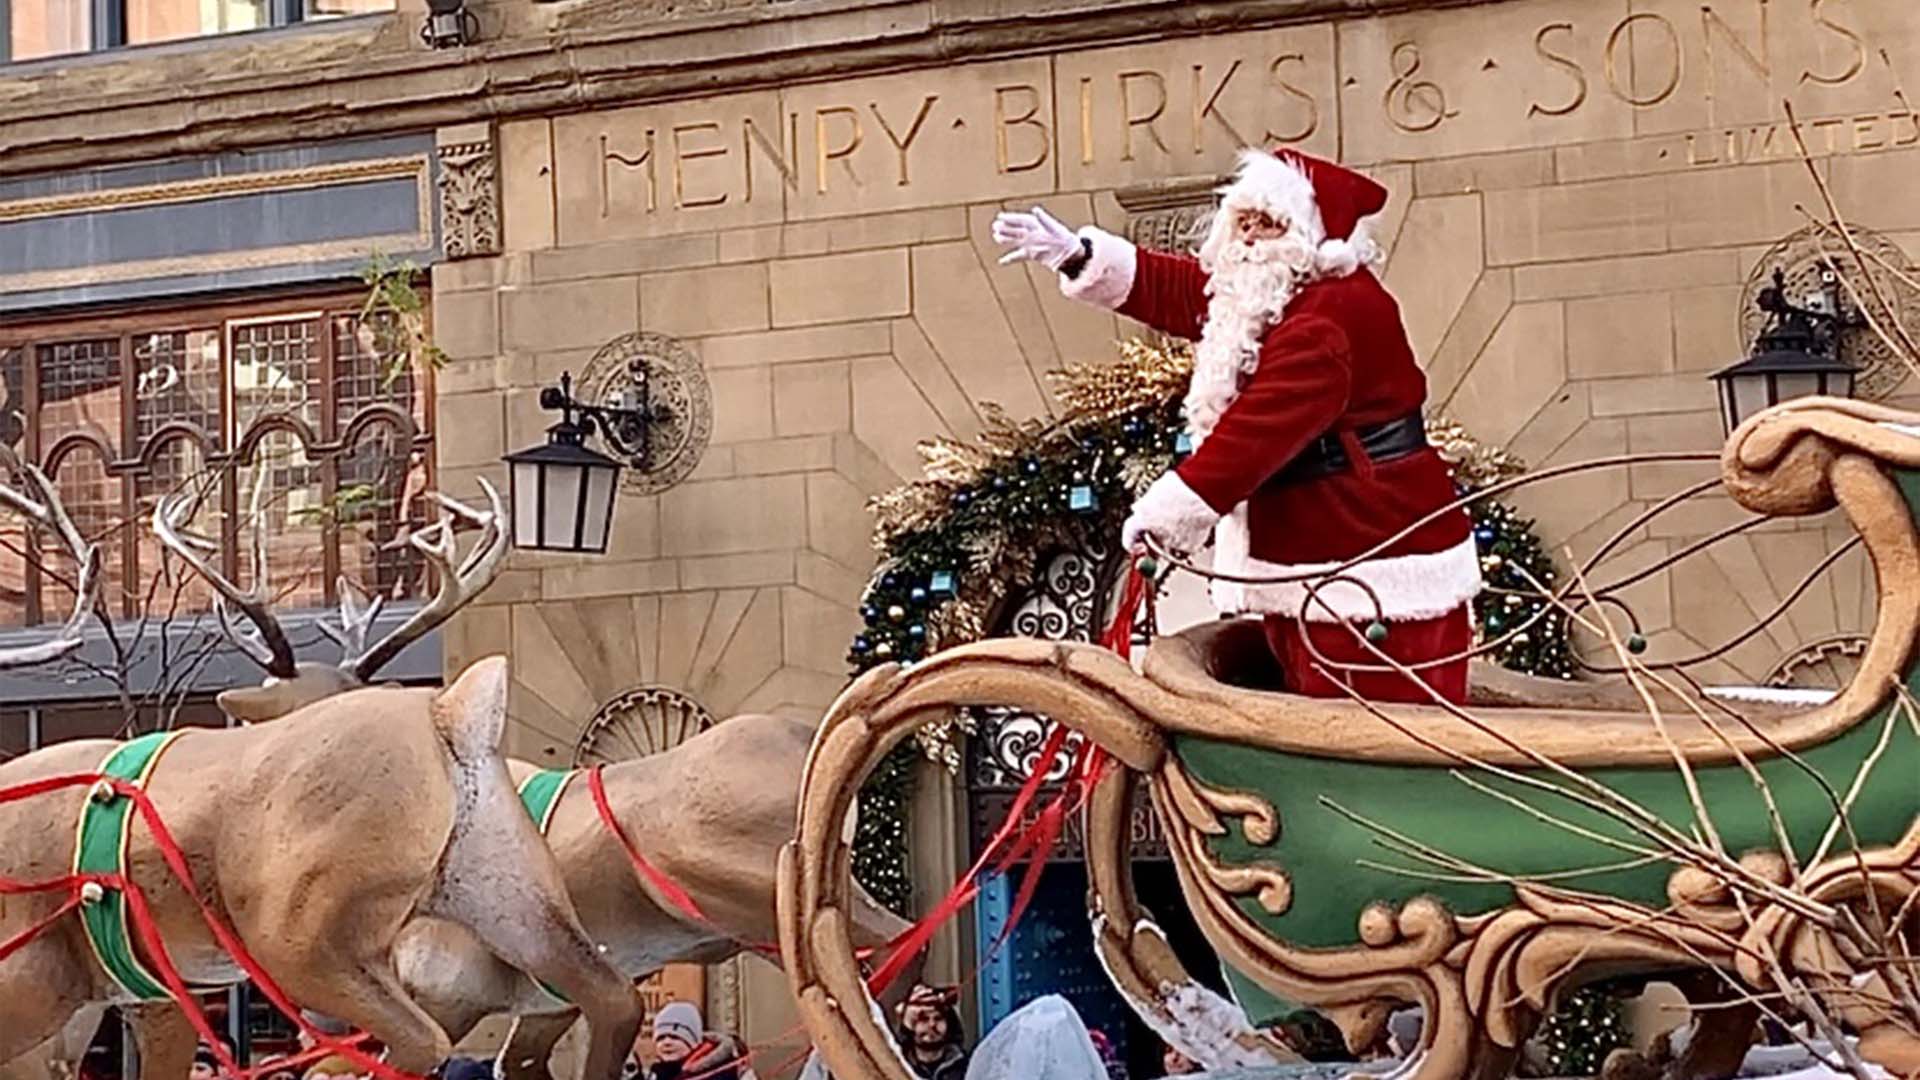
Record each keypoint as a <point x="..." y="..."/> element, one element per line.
<point x="1636" y="644"/>
<point x="1376" y="631"/>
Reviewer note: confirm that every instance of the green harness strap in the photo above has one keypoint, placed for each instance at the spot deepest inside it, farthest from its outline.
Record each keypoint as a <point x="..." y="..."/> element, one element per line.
<point x="101" y="848"/>
<point x="540" y="794"/>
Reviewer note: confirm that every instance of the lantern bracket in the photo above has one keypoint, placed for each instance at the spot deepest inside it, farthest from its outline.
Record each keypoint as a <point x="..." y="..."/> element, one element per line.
<point x="625" y="426"/>
<point x="1812" y="330"/>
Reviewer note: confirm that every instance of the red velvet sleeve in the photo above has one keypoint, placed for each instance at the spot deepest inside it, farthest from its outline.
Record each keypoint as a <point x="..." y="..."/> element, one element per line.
<point x="1295" y="394"/>
<point x="1169" y="293"/>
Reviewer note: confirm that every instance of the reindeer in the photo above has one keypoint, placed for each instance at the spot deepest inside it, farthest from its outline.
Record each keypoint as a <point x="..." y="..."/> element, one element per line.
<point x="710" y="814"/>
<point x="319" y="839"/>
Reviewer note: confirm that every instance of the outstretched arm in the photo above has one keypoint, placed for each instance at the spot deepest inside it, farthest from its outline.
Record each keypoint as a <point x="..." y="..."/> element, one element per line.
<point x="1167" y="292"/>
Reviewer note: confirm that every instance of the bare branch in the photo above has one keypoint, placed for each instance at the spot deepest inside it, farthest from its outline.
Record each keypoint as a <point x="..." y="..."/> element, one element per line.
<point x="1909" y="351"/>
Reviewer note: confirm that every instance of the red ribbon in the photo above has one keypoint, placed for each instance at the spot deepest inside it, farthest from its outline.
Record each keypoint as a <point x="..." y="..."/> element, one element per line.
<point x="140" y="914"/>
<point x="1037" y="841"/>
<point x="661" y="883"/>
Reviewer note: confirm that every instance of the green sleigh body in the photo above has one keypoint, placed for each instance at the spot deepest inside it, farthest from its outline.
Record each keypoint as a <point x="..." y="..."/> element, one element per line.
<point x="1355" y="859"/>
<point x="1321" y="843"/>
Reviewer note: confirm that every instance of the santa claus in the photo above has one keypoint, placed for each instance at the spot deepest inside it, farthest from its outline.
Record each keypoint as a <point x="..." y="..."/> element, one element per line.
<point x="1305" y="416"/>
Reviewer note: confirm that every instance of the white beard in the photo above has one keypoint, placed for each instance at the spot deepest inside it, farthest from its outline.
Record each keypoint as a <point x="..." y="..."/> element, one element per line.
<point x="1251" y="286"/>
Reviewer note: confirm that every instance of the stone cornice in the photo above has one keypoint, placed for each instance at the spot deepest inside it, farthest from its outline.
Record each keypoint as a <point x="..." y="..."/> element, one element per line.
<point x="370" y="76"/>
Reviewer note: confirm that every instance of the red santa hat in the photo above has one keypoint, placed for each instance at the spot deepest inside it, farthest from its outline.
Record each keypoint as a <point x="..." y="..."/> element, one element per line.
<point x="1322" y="202"/>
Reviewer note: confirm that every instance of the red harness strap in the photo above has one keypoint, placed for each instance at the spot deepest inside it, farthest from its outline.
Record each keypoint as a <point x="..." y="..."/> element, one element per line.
<point x="140" y="914"/>
<point x="661" y="883"/>
<point x="1037" y="841"/>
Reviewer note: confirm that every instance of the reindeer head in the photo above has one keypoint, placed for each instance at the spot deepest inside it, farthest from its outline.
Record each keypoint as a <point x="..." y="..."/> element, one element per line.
<point x="290" y="683"/>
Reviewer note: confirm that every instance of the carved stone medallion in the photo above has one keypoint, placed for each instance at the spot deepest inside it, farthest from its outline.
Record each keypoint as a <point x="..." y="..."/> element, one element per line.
<point x="1802" y="256"/>
<point x="675" y="383"/>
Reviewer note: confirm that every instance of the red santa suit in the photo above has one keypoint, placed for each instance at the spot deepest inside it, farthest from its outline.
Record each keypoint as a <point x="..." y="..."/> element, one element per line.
<point x="1290" y="389"/>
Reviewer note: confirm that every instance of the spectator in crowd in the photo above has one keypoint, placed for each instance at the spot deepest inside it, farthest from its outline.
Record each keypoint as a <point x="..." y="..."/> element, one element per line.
<point x="333" y="1067"/>
<point x="466" y="1068"/>
<point x="1110" y="1058"/>
<point x="1175" y="1063"/>
<point x="930" y="1035"/>
<point x="277" y="1069"/>
<point x="683" y="1050"/>
<point x="324" y="1025"/>
<point x="205" y="1065"/>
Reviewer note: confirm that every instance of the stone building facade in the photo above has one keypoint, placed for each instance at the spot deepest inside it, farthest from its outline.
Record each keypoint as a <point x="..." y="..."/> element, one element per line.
<point x="795" y="194"/>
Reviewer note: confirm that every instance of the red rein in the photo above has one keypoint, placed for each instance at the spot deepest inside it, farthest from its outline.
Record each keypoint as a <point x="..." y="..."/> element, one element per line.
<point x="148" y="933"/>
<point x="1008" y="845"/>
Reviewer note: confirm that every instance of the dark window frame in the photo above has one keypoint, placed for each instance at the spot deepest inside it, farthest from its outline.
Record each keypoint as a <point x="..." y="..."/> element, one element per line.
<point x="324" y="307"/>
<point x="108" y="21"/>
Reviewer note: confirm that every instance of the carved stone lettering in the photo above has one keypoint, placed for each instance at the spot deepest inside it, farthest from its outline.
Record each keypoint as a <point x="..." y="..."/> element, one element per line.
<point x="1698" y="82"/>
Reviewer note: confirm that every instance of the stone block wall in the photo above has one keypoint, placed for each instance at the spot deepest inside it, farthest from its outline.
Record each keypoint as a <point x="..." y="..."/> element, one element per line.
<point x="1583" y="195"/>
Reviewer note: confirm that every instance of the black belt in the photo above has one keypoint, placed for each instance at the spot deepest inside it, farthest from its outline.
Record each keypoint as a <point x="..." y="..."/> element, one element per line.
<point x="1326" y="455"/>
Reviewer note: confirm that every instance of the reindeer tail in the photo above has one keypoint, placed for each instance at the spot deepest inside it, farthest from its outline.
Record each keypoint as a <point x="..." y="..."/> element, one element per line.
<point x="471" y="715"/>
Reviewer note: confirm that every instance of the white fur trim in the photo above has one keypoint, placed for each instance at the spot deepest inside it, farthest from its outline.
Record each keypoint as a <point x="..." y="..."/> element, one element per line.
<point x="1422" y="586"/>
<point x="1276" y="185"/>
<point x="1107" y="279"/>
<point x="1173" y="513"/>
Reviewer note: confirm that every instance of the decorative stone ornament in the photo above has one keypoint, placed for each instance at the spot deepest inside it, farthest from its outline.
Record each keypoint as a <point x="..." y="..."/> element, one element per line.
<point x="1802" y="257"/>
<point x="1168" y="215"/>
<point x="469" y="192"/>
<point x="674" y="381"/>
<point x="639" y="723"/>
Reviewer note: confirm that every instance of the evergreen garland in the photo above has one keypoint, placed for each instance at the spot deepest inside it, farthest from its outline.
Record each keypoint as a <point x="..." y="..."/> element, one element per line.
<point x="956" y="544"/>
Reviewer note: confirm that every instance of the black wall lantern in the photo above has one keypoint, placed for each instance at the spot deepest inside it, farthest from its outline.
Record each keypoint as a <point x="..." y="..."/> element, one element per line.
<point x="563" y="491"/>
<point x="449" y="25"/>
<point x="1797" y="355"/>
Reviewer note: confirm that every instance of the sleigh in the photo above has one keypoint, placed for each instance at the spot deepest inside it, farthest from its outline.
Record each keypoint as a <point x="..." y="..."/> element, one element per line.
<point x="1477" y="862"/>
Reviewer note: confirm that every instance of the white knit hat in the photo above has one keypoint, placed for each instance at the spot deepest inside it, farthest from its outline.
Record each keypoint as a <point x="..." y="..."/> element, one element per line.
<point x="681" y="1020"/>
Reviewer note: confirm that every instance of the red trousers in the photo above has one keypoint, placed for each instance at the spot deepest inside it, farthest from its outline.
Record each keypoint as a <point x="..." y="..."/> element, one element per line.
<point x="1411" y="643"/>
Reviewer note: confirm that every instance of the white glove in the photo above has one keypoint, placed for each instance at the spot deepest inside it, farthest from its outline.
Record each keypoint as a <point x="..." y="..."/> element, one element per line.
<point x="1035" y="237"/>
<point x="1170" y="512"/>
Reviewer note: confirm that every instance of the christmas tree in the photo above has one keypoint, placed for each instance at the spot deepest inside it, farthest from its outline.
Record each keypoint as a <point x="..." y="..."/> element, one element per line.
<point x="1576" y="1040"/>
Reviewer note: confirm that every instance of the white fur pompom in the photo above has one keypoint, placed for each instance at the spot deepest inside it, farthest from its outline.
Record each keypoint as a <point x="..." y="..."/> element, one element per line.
<point x="1336" y="258"/>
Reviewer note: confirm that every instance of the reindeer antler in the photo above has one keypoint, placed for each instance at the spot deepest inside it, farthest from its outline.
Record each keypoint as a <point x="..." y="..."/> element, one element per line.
<point x="358" y="612"/>
<point x="268" y="646"/>
<point x="50" y="513"/>
<point x="459" y="585"/>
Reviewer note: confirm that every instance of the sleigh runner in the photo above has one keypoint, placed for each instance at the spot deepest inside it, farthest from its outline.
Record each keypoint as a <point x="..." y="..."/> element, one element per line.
<point x="1476" y="862"/>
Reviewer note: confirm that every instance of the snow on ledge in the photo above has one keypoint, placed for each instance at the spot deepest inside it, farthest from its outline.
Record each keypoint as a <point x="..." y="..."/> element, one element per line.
<point x="1773" y="695"/>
